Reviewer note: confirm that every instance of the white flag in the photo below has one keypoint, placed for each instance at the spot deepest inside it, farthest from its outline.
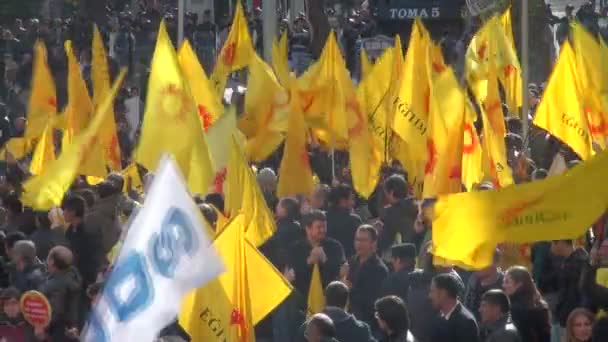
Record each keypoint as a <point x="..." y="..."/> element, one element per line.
<point x="166" y="254"/>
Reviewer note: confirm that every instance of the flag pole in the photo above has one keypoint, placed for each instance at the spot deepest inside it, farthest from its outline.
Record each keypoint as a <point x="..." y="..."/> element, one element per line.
<point x="180" y="22"/>
<point x="525" y="67"/>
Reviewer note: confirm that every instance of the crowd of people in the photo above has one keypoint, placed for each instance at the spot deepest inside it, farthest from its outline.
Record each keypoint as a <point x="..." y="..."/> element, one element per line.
<point x="377" y="270"/>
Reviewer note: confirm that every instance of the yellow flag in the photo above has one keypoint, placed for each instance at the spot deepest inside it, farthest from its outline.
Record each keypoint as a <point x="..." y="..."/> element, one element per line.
<point x="561" y="115"/>
<point x="44" y="153"/>
<point x="280" y="62"/>
<point x="316" y="298"/>
<point x="47" y="189"/>
<point x="471" y="151"/>
<point x="468" y="226"/>
<point x="17" y="148"/>
<point x="236" y="52"/>
<point x="101" y="87"/>
<point x="171" y="124"/>
<point x="230" y="306"/>
<point x="412" y="103"/>
<point x="244" y="196"/>
<point x="131" y="174"/>
<point x="366" y="64"/>
<point x="43" y="101"/>
<point x="295" y="174"/>
<point x="78" y="114"/>
<point x="208" y="105"/>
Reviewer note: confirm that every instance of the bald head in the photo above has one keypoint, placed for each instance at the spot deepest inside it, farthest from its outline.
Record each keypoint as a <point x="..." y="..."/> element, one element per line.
<point x="60" y="257"/>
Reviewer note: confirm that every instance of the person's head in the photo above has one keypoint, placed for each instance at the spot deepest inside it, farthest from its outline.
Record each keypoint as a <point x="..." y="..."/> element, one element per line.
<point x="569" y="9"/>
<point x="207" y="16"/>
<point x="319" y="327"/>
<point x="13" y="206"/>
<point x="392" y="315"/>
<point x="73" y="209"/>
<point x="495" y="305"/>
<point x="267" y="179"/>
<point x="10" y="302"/>
<point x="491" y="270"/>
<point x="60" y="258"/>
<point x="216" y="200"/>
<point x="88" y="195"/>
<point x="20" y="124"/>
<point x="24" y="254"/>
<point x="395" y="188"/>
<point x="117" y="181"/>
<point x="315" y="225"/>
<point x="42" y="220"/>
<point x="366" y="239"/>
<point x="562" y="248"/>
<point x="336" y="294"/>
<point x="105" y="189"/>
<point x="288" y="208"/>
<point x="10" y="241"/>
<point x="342" y="196"/>
<point x="444" y="291"/>
<point x="319" y="196"/>
<point x="403" y="256"/>
<point x="519" y="280"/>
<point x="579" y="326"/>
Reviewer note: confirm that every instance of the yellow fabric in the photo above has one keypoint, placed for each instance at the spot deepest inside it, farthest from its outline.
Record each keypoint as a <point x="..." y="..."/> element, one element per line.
<point x="208" y="104"/>
<point x="411" y="105"/>
<point x="561" y="115"/>
<point x="494" y="164"/>
<point x="131" y="173"/>
<point x="280" y="62"/>
<point x="511" y="73"/>
<point x="316" y="298"/>
<point x="43" y="101"/>
<point x="78" y="114"/>
<point x="244" y="196"/>
<point x="171" y="124"/>
<point x="44" y="153"/>
<point x="295" y="174"/>
<point x="366" y="64"/>
<point x="249" y="290"/>
<point x="471" y="152"/>
<point x="236" y="52"/>
<point x="101" y="87"/>
<point x="468" y="226"/>
<point x="601" y="278"/>
<point x="16" y="147"/>
<point x="46" y="190"/>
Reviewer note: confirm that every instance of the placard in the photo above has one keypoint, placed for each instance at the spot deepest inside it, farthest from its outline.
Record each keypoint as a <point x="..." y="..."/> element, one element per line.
<point x="36" y="309"/>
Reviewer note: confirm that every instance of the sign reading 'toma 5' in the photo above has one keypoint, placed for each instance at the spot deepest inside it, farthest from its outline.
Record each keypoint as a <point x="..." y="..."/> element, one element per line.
<point x="425" y="9"/>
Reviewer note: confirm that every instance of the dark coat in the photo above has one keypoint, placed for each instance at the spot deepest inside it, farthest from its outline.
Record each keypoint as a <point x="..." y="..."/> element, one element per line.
<point x="45" y="239"/>
<point x="88" y="252"/>
<point x="597" y="294"/>
<point x="30" y="278"/>
<point x="342" y="225"/>
<point x="533" y="322"/>
<point x="502" y="331"/>
<point x="63" y="289"/>
<point x="421" y="323"/>
<point x="399" y="218"/>
<point x="366" y="279"/>
<point x="276" y="249"/>
<point x="461" y="326"/>
<point x="103" y="220"/>
<point x="330" y="270"/>
<point x="474" y="291"/>
<point x="349" y="328"/>
<point x="397" y="284"/>
<point x="569" y="297"/>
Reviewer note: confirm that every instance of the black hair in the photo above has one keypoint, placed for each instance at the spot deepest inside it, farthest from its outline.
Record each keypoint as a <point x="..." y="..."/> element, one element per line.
<point x="291" y="206"/>
<point x="216" y="199"/>
<point x="75" y="204"/>
<point x="498" y="298"/>
<point x="209" y="214"/>
<point x="448" y="283"/>
<point x="88" y="195"/>
<point x="373" y="233"/>
<point x="13" y="204"/>
<point x="340" y="192"/>
<point x="397" y="185"/>
<point x="336" y="294"/>
<point x="311" y="217"/>
<point x="12" y="238"/>
<point x="392" y="310"/>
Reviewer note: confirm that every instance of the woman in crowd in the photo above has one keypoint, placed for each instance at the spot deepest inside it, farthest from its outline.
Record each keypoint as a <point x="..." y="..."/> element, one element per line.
<point x="529" y="311"/>
<point x="579" y="327"/>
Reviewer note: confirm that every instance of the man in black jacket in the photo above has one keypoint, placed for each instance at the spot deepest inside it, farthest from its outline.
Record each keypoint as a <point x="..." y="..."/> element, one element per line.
<point x="497" y="326"/>
<point x="403" y="258"/>
<point x="316" y="248"/>
<point x="399" y="216"/>
<point x="366" y="272"/>
<point x="342" y="223"/>
<point x="455" y="322"/>
<point x="569" y="297"/>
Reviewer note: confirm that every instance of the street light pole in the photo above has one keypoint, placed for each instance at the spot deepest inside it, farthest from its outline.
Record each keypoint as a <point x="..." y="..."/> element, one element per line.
<point x="525" y="68"/>
<point x="180" y="22"/>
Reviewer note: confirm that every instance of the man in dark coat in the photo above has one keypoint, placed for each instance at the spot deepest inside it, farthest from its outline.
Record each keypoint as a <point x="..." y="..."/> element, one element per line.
<point x="497" y="326"/>
<point x="366" y="272"/>
<point x="455" y="322"/>
<point x="62" y="288"/>
<point x="342" y="223"/>
<point x="403" y="258"/>
<point x="569" y="296"/>
<point x="316" y="248"/>
<point x="399" y="216"/>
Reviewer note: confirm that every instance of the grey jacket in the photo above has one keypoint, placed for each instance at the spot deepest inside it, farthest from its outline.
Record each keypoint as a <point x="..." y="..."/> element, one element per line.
<point x="502" y="331"/>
